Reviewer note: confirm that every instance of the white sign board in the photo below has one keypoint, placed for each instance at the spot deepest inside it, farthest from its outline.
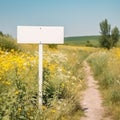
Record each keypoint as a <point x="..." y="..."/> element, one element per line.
<point x="40" y="34"/>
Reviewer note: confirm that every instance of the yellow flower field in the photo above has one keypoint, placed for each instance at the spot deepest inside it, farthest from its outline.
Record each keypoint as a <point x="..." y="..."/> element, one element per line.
<point x="63" y="79"/>
<point x="62" y="82"/>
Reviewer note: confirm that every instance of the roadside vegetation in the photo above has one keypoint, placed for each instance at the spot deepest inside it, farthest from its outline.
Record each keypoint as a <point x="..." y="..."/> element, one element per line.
<point x="63" y="81"/>
<point x="8" y="43"/>
<point x="105" y="65"/>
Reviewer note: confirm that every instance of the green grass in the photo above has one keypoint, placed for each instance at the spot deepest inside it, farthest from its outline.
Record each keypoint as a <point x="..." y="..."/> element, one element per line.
<point x="91" y="41"/>
<point x="83" y="41"/>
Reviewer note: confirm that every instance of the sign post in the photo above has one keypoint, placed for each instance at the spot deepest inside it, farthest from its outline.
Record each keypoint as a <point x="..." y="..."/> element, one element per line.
<point x="40" y="73"/>
<point x="40" y="35"/>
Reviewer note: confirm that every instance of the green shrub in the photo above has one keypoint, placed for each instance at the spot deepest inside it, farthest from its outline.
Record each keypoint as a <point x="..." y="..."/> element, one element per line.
<point x="53" y="46"/>
<point x="89" y="44"/>
<point x="8" y="43"/>
<point x="1" y="34"/>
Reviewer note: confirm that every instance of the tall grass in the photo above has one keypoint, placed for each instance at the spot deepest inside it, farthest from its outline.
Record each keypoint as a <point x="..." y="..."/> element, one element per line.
<point x="62" y="83"/>
<point x="105" y="65"/>
<point x="8" y="43"/>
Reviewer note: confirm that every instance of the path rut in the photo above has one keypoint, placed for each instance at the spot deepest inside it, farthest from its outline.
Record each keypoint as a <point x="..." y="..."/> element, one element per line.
<point x="92" y="101"/>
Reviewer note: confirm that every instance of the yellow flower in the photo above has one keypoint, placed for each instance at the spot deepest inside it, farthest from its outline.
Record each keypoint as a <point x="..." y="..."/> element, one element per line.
<point x="16" y="92"/>
<point x="53" y="110"/>
<point x="7" y="83"/>
<point x="19" y="109"/>
<point x="12" y="50"/>
<point x="62" y="85"/>
<point x="52" y="67"/>
<point x="44" y="107"/>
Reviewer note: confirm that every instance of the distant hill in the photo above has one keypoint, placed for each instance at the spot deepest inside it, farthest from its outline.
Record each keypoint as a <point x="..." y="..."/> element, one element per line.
<point x="83" y="40"/>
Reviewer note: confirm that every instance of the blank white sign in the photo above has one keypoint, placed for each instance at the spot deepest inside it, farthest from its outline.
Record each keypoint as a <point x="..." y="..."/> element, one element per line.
<point x="40" y="34"/>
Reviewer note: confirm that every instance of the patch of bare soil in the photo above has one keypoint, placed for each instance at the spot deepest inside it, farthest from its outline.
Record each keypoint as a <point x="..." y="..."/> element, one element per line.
<point x="92" y="101"/>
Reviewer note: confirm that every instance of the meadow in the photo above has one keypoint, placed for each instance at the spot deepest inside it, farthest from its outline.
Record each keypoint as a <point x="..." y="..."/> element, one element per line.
<point x="105" y="65"/>
<point x="63" y="80"/>
<point x="90" y="41"/>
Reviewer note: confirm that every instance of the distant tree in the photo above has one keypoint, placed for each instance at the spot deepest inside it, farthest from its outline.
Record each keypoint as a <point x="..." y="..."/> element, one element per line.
<point x="1" y="34"/>
<point x="115" y="35"/>
<point x="89" y="44"/>
<point x="108" y="38"/>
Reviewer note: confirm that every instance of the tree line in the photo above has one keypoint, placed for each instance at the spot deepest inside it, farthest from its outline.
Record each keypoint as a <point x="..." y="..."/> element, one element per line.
<point x="109" y="37"/>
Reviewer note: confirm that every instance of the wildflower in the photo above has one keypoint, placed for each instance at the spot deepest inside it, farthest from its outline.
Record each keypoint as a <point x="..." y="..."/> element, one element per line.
<point x="43" y="107"/>
<point x="62" y="85"/>
<point x="53" y="110"/>
<point x="12" y="50"/>
<point x="19" y="109"/>
<point x="7" y="83"/>
<point x="16" y="92"/>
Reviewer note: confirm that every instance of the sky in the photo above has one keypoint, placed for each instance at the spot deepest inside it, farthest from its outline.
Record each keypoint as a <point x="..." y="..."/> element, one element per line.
<point x="79" y="17"/>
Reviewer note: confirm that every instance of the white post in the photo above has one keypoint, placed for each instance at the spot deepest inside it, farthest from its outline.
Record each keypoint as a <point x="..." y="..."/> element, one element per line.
<point x="48" y="35"/>
<point x="40" y="74"/>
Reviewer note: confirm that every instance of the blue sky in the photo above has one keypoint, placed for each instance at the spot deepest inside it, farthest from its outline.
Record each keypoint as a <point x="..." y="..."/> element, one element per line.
<point x="79" y="17"/>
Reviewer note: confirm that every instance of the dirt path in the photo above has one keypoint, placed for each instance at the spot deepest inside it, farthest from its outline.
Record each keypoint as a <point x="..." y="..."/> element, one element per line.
<point x="92" y="102"/>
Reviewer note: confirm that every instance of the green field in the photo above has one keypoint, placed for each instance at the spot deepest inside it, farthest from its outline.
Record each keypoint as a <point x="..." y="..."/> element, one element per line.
<point x="64" y="79"/>
<point x="91" y="41"/>
<point x="83" y="40"/>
